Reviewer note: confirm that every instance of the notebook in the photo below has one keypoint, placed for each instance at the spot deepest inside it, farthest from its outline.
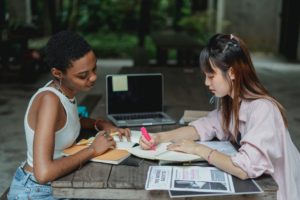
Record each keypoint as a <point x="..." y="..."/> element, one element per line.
<point x="112" y="156"/>
<point x="136" y="100"/>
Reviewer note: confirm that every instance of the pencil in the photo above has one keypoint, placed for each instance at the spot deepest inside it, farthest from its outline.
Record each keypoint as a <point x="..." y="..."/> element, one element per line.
<point x="85" y="141"/>
<point x="114" y="133"/>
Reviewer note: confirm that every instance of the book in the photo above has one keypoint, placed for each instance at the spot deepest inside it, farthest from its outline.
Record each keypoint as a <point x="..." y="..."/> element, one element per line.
<point x="161" y="153"/>
<point x="112" y="156"/>
<point x="191" y="115"/>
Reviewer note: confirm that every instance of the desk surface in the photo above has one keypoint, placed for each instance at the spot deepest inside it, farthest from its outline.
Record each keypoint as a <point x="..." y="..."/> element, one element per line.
<point x="184" y="89"/>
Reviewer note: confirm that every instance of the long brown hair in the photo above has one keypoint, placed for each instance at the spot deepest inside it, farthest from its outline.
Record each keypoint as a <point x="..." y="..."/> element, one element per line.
<point x="225" y="52"/>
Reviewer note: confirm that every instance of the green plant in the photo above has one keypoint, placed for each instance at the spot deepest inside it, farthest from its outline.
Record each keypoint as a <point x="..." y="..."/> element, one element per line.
<point x="109" y="44"/>
<point x="198" y="26"/>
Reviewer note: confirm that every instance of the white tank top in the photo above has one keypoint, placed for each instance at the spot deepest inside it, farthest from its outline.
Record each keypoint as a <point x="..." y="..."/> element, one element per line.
<point x="64" y="137"/>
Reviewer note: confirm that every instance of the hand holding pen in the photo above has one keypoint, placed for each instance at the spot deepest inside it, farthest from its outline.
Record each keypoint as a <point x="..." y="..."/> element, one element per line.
<point x="102" y="142"/>
<point x="146" y="142"/>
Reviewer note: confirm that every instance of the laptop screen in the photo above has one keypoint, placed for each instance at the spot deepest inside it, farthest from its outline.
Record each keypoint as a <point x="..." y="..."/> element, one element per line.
<point x="134" y="93"/>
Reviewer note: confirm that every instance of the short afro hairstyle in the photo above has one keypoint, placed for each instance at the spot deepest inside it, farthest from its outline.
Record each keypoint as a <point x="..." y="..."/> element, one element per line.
<point x="65" y="47"/>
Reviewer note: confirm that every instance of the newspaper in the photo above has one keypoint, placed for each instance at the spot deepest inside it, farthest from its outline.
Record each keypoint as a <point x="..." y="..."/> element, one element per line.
<point x="192" y="178"/>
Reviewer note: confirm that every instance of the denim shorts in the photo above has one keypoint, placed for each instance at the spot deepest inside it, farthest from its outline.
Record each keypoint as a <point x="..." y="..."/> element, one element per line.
<point x="24" y="186"/>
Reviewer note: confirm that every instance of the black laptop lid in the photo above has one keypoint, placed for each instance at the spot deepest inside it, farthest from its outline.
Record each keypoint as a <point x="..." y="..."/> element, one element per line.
<point x="134" y="93"/>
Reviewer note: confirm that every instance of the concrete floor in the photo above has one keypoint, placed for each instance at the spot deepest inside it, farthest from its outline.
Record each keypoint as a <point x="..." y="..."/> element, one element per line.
<point x="280" y="78"/>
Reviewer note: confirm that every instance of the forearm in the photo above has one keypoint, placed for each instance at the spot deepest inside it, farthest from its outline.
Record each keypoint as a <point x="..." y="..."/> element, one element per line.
<point x="56" y="168"/>
<point x="220" y="160"/>
<point x="187" y="132"/>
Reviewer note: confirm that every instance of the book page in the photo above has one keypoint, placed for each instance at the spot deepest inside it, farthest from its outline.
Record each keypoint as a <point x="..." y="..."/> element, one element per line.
<point x="158" y="178"/>
<point x="113" y="156"/>
<point x="161" y="153"/>
<point x="148" y="154"/>
<point x="135" y="137"/>
<point x="126" y="145"/>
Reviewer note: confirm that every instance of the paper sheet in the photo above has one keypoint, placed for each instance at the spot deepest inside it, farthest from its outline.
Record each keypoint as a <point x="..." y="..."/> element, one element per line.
<point x="196" y="178"/>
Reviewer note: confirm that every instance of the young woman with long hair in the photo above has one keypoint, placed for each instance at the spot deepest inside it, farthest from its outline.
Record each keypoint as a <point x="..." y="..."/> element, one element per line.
<point x="247" y="115"/>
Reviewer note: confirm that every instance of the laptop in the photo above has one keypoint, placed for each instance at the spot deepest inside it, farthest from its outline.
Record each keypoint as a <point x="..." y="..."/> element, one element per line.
<point x="136" y="100"/>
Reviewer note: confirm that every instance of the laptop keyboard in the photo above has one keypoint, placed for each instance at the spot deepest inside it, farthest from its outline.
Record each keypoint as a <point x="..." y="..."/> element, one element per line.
<point x="139" y="116"/>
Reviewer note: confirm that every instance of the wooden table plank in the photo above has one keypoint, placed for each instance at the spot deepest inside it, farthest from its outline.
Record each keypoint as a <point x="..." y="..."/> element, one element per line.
<point x="267" y="183"/>
<point x="92" y="175"/>
<point x="129" y="176"/>
<point x="88" y="193"/>
<point x="65" y="181"/>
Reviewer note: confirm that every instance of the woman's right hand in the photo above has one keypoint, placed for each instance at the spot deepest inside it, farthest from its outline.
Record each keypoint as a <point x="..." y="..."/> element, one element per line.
<point x="146" y="145"/>
<point x="102" y="142"/>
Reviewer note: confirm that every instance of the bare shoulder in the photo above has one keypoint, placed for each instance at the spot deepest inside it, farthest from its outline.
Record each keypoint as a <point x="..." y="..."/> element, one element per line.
<point x="47" y="98"/>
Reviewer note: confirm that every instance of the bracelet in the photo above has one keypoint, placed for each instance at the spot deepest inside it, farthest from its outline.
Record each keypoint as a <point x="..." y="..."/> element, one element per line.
<point x="95" y="125"/>
<point x="209" y="155"/>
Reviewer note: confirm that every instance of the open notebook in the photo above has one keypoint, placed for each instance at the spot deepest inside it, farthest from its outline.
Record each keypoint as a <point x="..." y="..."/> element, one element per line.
<point x="166" y="157"/>
<point x="113" y="156"/>
<point x="125" y="148"/>
<point x="161" y="153"/>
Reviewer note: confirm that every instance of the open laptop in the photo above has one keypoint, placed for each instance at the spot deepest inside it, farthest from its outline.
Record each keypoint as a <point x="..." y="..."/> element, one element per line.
<point x="136" y="100"/>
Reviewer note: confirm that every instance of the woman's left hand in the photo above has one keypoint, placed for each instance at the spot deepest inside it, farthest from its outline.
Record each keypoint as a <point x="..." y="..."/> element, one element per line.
<point x="187" y="146"/>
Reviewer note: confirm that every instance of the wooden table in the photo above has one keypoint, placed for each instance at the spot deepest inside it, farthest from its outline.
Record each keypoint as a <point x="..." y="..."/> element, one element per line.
<point x="184" y="89"/>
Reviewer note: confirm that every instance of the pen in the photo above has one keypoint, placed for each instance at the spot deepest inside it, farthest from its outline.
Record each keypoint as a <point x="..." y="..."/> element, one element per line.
<point x="147" y="136"/>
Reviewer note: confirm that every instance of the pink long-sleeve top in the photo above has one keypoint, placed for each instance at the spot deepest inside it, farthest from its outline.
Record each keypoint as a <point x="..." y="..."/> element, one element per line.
<point x="266" y="145"/>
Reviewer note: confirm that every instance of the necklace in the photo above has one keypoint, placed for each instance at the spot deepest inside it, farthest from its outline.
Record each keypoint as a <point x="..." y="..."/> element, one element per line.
<point x="58" y="87"/>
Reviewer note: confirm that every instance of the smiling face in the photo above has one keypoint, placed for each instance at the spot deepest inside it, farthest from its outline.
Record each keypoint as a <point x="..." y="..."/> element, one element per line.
<point x="219" y="83"/>
<point x="80" y="76"/>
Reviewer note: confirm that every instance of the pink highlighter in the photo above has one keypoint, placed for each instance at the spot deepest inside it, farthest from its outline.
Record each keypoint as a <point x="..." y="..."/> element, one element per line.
<point x="147" y="136"/>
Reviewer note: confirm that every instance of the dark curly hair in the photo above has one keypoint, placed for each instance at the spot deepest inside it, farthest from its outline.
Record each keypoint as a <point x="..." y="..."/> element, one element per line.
<point x="65" y="47"/>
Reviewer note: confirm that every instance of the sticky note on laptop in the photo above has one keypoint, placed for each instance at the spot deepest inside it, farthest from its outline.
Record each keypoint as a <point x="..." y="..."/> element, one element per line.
<point x="119" y="83"/>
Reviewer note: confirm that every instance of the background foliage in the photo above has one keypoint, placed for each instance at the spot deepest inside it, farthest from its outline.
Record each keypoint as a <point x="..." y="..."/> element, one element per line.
<point x="112" y="26"/>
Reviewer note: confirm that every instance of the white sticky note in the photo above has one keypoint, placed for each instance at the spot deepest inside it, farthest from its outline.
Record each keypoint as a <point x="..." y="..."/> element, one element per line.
<point x="120" y="83"/>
